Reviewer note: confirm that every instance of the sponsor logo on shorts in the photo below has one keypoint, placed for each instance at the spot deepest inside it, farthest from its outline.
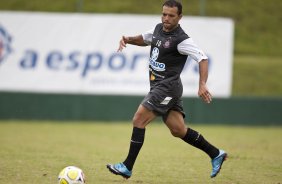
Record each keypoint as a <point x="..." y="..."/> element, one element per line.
<point x="166" y="100"/>
<point x="150" y="102"/>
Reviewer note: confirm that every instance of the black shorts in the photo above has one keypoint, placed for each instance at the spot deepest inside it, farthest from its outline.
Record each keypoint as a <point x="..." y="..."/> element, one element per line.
<point x="165" y="97"/>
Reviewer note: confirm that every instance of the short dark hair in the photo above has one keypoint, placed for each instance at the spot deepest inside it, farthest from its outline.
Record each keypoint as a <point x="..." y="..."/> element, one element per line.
<point x="173" y="3"/>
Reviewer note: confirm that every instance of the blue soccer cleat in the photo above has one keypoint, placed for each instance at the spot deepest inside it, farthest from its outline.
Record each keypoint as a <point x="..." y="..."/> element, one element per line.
<point x="217" y="163"/>
<point x="120" y="169"/>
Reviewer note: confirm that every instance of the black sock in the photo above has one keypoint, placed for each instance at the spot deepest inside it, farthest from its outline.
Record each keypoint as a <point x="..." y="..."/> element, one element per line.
<point x="195" y="139"/>
<point x="136" y="143"/>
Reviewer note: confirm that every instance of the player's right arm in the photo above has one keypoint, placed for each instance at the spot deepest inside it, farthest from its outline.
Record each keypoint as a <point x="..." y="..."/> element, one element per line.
<point x="144" y="39"/>
<point x="133" y="40"/>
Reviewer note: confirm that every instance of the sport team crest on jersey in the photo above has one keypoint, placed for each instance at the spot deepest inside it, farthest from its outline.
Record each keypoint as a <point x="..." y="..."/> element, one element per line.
<point x="167" y="43"/>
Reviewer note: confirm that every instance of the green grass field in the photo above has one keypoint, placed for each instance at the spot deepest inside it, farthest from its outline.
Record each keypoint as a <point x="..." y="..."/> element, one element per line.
<point x="35" y="152"/>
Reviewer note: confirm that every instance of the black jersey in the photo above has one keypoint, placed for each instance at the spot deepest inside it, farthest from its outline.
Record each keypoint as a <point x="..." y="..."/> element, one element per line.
<point x="166" y="63"/>
<point x="168" y="55"/>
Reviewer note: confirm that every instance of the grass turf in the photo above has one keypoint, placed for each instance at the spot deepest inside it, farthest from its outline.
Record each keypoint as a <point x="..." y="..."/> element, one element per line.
<point x="257" y="76"/>
<point x="35" y="152"/>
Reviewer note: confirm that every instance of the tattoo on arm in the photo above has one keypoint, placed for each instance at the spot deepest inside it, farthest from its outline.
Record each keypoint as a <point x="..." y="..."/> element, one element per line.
<point x="136" y="40"/>
<point x="130" y="39"/>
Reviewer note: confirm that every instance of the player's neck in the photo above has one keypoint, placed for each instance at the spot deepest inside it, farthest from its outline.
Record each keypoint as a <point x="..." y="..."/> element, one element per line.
<point x="170" y="30"/>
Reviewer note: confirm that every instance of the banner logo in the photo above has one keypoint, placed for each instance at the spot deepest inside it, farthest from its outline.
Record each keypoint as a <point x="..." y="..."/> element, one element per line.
<point x="5" y="44"/>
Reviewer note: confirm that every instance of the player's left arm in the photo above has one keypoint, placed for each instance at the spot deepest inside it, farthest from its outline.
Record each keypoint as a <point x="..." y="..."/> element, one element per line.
<point x="203" y="90"/>
<point x="188" y="47"/>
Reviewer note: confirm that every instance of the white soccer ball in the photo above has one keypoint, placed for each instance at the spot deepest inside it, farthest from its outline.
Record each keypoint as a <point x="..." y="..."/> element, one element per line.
<point x="71" y="175"/>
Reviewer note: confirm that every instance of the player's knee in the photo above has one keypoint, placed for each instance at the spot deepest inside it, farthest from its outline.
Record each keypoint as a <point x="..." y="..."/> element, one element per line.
<point x="177" y="132"/>
<point x="138" y="121"/>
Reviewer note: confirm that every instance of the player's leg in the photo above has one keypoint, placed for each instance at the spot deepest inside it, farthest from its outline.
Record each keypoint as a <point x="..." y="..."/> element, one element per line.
<point x="142" y="117"/>
<point x="176" y="124"/>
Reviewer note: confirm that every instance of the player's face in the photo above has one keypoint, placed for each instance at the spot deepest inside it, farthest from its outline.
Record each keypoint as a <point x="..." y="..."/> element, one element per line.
<point x="170" y="18"/>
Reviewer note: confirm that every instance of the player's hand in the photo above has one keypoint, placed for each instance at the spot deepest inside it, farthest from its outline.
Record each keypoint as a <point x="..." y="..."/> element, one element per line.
<point x="122" y="43"/>
<point x="204" y="93"/>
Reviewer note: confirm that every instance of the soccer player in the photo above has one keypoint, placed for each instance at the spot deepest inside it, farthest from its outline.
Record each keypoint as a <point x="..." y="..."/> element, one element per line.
<point x="170" y="47"/>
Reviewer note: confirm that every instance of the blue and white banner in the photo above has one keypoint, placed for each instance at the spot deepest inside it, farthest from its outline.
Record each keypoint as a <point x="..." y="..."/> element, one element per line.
<point x="77" y="53"/>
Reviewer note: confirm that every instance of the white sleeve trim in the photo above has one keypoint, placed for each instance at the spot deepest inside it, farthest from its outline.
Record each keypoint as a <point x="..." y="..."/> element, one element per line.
<point x="147" y="36"/>
<point x="188" y="47"/>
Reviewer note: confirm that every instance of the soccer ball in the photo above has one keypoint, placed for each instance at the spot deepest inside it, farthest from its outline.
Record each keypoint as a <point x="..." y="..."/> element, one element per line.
<point x="71" y="175"/>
